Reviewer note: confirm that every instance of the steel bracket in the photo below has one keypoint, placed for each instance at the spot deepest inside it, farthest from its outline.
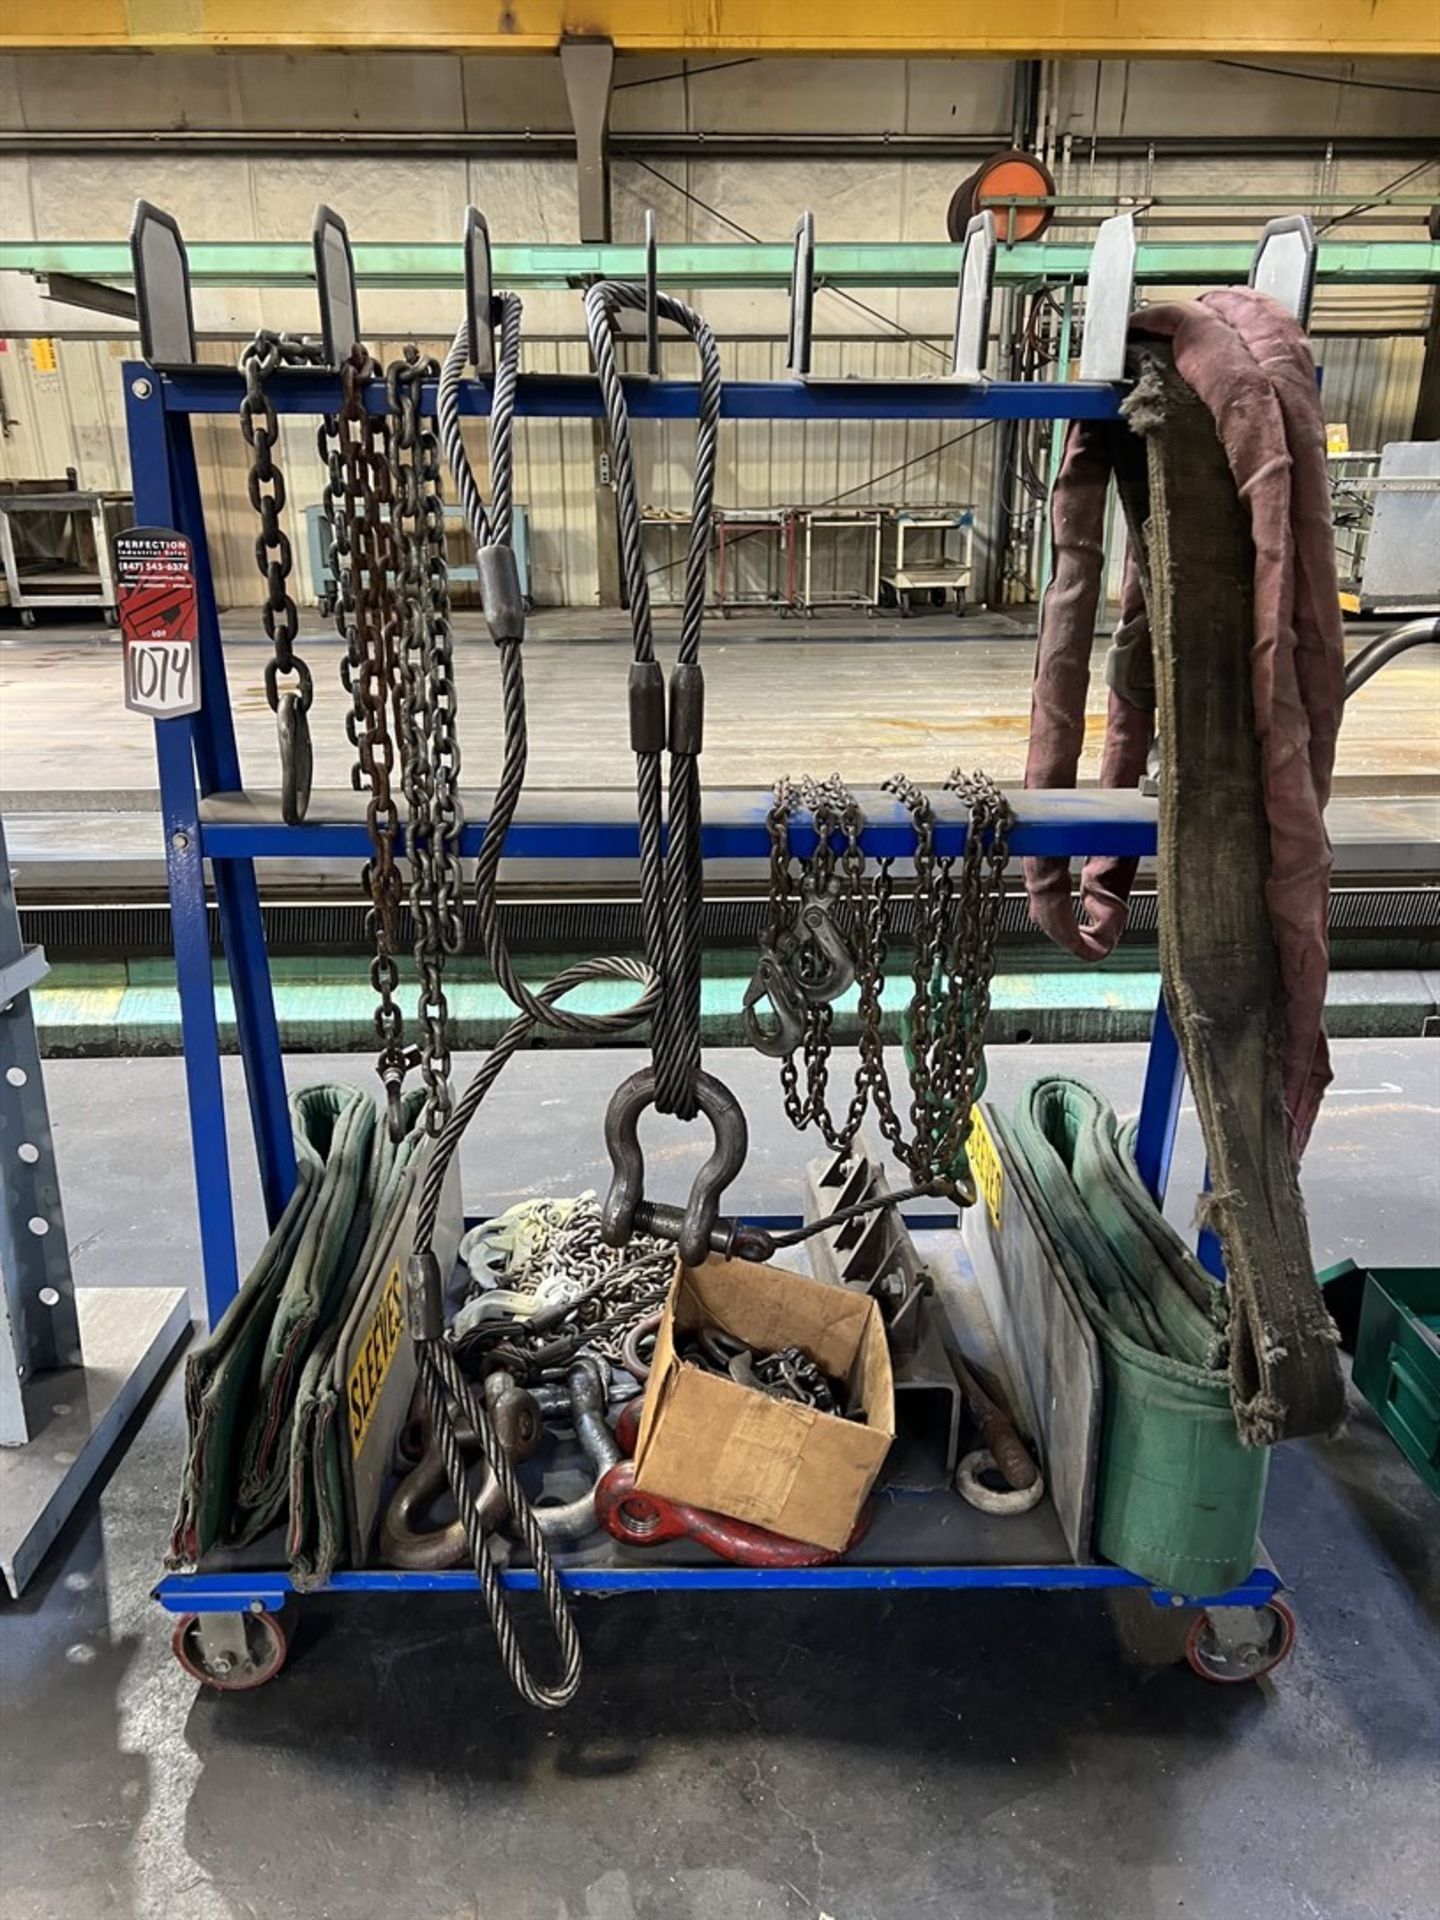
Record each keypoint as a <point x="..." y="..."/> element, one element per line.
<point x="873" y="1253"/>
<point x="588" y="67"/>
<point x="335" y="279"/>
<point x="973" y="297"/>
<point x="162" y="287"/>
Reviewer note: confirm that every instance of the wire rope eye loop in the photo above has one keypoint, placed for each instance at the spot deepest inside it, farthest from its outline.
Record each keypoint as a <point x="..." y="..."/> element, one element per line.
<point x="627" y="1183"/>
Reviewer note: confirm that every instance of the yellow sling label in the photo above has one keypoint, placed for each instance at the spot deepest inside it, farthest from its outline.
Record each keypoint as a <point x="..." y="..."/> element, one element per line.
<point x="985" y="1165"/>
<point x="383" y="1335"/>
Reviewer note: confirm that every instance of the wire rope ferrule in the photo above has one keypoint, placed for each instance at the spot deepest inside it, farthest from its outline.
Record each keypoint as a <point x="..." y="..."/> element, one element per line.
<point x="687" y="708"/>
<point x="647" y="707"/>
<point x="500" y="593"/>
<point x="424" y="1297"/>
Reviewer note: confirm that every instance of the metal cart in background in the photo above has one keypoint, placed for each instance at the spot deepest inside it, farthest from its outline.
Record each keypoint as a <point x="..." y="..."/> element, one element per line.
<point x="1399" y="569"/>
<point x="70" y="566"/>
<point x="942" y="573"/>
<point x="734" y="526"/>
<point x="859" y="524"/>
<point x="465" y="574"/>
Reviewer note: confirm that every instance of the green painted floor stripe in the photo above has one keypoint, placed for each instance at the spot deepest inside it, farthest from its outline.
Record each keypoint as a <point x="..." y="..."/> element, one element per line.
<point x="323" y="1006"/>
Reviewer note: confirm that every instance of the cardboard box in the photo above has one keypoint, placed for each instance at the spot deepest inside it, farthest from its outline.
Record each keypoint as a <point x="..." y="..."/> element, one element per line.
<point x="709" y="1441"/>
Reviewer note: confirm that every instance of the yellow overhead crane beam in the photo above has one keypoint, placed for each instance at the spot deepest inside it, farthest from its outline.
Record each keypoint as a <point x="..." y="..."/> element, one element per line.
<point x="919" y="28"/>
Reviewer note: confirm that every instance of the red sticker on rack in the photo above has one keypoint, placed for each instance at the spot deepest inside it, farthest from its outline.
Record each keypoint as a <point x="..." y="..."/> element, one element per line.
<point x="159" y="621"/>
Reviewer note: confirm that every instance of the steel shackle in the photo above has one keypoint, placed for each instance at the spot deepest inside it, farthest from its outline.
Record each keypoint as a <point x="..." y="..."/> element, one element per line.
<point x="627" y="1162"/>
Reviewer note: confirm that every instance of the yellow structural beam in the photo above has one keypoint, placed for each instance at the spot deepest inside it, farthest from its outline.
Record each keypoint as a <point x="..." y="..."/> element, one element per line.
<point x="1346" y="28"/>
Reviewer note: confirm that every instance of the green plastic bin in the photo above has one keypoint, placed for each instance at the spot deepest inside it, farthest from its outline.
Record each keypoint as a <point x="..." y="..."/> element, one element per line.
<point x="1397" y="1361"/>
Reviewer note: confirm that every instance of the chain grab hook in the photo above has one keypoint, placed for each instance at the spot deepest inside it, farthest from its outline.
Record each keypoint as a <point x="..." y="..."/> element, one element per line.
<point x="772" y="981"/>
<point x="698" y="1229"/>
<point x="808" y="963"/>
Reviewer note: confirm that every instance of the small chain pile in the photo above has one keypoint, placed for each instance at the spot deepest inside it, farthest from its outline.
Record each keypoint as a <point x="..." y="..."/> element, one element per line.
<point x="783" y="1373"/>
<point x="833" y="930"/>
<point x="542" y="1267"/>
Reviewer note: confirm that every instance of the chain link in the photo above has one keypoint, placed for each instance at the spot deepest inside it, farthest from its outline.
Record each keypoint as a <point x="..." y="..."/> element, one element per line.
<point x="834" y="811"/>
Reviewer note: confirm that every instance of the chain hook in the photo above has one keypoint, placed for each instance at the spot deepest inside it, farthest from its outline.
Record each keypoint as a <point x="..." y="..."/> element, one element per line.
<point x="822" y="965"/>
<point x="297" y="759"/>
<point x="772" y="981"/>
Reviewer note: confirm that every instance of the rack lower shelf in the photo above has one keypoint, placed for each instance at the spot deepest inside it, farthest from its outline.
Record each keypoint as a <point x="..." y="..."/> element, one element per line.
<point x="917" y="1540"/>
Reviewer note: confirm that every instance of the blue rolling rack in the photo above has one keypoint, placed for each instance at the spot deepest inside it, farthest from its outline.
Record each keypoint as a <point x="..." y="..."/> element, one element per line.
<point x="207" y="817"/>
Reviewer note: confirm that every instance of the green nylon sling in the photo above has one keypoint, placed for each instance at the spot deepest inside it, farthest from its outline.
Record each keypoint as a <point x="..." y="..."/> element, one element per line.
<point x="317" y="1539"/>
<point x="1218" y="954"/>
<point x="1178" y="1496"/>
<point x="241" y="1385"/>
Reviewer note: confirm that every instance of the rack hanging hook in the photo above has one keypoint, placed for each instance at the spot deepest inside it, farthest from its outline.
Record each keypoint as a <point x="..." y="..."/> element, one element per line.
<point x="802" y="298"/>
<point x="973" y="297"/>
<point x="162" y="287"/>
<point x="1109" y="292"/>
<point x="335" y="281"/>
<point x="652" y="295"/>
<point x="1284" y="264"/>
<point x="479" y="294"/>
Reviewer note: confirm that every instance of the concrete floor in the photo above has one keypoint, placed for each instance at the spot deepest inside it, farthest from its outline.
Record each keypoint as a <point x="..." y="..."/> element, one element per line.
<point x="865" y="1758"/>
<point x="782" y="696"/>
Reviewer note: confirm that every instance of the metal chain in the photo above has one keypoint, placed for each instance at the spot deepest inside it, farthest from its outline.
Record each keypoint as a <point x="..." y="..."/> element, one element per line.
<point x="932" y="897"/>
<point x="834" y="810"/>
<point x="274" y="556"/>
<point x="359" y="497"/>
<point x="955" y="939"/>
<point x="430" y="755"/>
<point x="973" y="953"/>
<point x="580" y="1284"/>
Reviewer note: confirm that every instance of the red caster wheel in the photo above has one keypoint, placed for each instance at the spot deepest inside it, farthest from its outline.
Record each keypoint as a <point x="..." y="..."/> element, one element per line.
<point x="244" y="1652"/>
<point x="1230" y="1645"/>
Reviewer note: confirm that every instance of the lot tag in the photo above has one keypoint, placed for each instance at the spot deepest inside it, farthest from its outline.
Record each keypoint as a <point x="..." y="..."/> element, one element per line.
<point x="159" y="622"/>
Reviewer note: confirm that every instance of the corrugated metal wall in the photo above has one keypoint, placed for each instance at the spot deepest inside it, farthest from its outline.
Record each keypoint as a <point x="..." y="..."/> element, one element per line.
<point x="71" y="414"/>
<point x="1371" y="385"/>
<point x="74" y="415"/>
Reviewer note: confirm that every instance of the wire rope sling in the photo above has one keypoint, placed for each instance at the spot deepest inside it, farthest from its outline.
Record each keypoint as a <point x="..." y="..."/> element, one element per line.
<point x="668" y="982"/>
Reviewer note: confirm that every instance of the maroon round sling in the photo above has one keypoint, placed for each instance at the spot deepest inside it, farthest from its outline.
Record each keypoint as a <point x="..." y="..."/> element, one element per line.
<point x="1230" y="648"/>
